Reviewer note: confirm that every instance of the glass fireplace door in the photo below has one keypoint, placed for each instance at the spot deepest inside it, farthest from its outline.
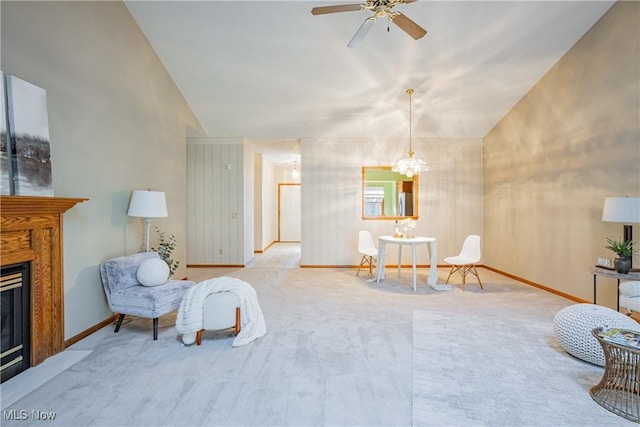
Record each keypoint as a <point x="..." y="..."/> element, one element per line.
<point x="14" y="314"/>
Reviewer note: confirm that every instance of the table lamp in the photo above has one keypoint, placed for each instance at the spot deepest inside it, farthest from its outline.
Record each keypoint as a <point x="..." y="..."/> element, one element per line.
<point x="147" y="204"/>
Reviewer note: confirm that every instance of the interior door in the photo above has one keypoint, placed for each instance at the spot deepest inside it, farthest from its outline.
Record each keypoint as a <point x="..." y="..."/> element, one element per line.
<point x="289" y="221"/>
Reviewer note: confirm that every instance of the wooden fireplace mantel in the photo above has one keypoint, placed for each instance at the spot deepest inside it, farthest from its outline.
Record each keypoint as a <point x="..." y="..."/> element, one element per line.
<point x="31" y="231"/>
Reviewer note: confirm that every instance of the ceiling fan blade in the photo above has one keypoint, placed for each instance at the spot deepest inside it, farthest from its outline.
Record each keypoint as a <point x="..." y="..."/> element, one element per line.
<point x="357" y="38"/>
<point x="408" y="26"/>
<point x="333" y="9"/>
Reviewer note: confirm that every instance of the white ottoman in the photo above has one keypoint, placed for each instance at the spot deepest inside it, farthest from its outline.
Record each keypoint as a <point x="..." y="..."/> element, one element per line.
<point x="572" y="327"/>
<point x="220" y="310"/>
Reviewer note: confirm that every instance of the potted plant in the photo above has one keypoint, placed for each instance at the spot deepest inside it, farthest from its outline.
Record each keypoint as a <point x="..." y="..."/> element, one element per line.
<point x="165" y="249"/>
<point x="625" y="250"/>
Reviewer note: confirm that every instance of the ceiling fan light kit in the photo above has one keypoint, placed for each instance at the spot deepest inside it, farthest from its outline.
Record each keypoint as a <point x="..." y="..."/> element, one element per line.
<point x="380" y="8"/>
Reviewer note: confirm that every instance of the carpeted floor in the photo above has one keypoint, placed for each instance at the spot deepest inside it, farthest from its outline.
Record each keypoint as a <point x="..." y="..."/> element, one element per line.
<point x="338" y="352"/>
<point x="485" y="370"/>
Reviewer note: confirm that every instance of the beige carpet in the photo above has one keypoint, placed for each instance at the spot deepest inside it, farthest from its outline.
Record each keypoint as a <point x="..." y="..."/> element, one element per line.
<point x="483" y="370"/>
<point x="338" y="352"/>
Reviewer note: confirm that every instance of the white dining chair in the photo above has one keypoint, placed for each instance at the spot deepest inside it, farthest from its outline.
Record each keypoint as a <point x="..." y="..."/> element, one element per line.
<point x="464" y="262"/>
<point x="368" y="249"/>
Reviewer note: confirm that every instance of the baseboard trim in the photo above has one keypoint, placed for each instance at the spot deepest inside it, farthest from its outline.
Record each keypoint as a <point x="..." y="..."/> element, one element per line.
<point x="326" y="266"/>
<point x="89" y="331"/>
<point x="536" y="285"/>
<point x="259" y="251"/>
<point x="386" y="266"/>
<point x="214" y="265"/>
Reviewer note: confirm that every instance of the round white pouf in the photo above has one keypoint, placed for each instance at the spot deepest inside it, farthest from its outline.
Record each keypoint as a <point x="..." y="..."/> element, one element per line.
<point x="572" y="327"/>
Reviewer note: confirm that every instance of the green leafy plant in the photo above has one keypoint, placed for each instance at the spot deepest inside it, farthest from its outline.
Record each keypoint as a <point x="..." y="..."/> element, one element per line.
<point x="624" y="249"/>
<point x="165" y="250"/>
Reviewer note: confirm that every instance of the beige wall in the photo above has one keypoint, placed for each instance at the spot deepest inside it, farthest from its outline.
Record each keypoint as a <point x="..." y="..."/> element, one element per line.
<point x="216" y="198"/>
<point x="231" y="210"/>
<point x="116" y="122"/>
<point x="573" y="140"/>
<point x="450" y="196"/>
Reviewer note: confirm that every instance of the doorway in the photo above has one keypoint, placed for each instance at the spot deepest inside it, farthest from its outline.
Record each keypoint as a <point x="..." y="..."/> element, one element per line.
<point x="289" y="218"/>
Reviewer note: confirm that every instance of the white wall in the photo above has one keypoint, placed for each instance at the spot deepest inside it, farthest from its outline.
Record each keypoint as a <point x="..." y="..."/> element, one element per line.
<point x="269" y="206"/>
<point x="116" y="123"/>
<point x="257" y="202"/>
<point x="281" y="174"/>
<point x="248" y="217"/>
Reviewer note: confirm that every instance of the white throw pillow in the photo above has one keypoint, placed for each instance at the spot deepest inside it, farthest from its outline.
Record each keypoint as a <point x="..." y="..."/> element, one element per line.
<point x="153" y="272"/>
<point x="630" y="289"/>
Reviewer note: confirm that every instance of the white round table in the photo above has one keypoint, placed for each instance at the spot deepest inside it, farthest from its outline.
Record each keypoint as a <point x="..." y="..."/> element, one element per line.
<point x="431" y="243"/>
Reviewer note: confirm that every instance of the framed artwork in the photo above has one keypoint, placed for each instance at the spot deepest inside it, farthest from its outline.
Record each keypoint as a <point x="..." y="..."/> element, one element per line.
<point x="4" y="152"/>
<point x="27" y="149"/>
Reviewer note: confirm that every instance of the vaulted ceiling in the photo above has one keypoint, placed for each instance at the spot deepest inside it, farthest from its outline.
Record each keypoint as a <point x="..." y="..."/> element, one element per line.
<point x="272" y="70"/>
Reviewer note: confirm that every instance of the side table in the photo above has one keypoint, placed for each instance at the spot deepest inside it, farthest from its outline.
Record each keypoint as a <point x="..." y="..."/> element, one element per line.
<point x="612" y="274"/>
<point x="619" y="389"/>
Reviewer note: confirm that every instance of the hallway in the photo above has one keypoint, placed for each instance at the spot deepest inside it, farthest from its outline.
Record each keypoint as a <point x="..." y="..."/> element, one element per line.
<point x="278" y="255"/>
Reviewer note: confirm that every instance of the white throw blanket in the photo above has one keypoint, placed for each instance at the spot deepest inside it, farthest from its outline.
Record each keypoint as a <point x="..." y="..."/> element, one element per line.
<point x="190" y="317"/>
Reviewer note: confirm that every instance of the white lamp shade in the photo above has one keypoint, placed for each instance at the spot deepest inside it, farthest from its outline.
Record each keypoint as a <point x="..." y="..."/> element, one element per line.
<point x="621" y="209"/>
<point x="147" y="204"/>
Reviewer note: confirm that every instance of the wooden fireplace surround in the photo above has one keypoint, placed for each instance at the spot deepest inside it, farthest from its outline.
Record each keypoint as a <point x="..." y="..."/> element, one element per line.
<point x="31" y="231"/>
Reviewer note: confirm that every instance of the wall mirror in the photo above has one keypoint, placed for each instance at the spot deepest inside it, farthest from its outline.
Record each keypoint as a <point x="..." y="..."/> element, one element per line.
<point x="388" y="195"/>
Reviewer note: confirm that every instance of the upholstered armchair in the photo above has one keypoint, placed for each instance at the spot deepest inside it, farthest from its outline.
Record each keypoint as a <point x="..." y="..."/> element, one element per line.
<point x="127" y="295"/>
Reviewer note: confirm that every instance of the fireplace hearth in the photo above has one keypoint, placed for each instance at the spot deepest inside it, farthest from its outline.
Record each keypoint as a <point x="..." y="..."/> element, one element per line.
<point x="15" y="320"/>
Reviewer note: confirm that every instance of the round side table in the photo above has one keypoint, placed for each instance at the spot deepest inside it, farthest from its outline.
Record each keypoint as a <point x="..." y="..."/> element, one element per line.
<point x="619" y="388"/>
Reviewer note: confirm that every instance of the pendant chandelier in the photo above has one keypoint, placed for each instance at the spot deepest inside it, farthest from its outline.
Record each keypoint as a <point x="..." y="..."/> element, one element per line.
<point x="410" y="166"/>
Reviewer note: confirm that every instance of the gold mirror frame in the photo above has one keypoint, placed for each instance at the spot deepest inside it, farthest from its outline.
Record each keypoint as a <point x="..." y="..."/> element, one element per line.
<point x="384" y="198"/>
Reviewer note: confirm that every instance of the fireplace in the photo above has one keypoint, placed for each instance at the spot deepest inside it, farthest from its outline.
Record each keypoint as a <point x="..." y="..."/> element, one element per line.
<point x="31" y="247"/>
<point x="15" y="320"/>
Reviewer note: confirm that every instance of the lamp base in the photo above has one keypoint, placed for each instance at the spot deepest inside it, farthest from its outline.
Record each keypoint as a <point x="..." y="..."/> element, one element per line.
<point x="147" y="224"/>
<point x="628" y="236"/>
<point x="628" y="232"/>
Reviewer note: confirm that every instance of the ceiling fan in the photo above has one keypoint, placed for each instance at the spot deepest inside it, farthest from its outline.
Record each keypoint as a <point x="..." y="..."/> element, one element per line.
<point x="380" y="9"/>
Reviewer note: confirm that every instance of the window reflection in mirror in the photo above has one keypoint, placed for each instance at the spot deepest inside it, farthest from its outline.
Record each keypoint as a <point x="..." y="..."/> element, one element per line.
<point x="387" y="194"/>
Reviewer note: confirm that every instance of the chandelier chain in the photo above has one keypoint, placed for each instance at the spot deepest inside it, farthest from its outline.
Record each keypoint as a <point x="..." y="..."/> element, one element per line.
<point x="410" y="92"/>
